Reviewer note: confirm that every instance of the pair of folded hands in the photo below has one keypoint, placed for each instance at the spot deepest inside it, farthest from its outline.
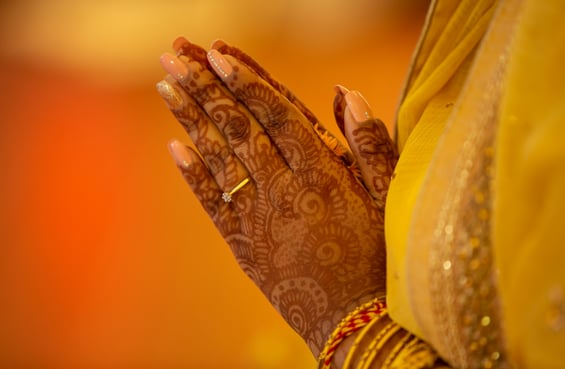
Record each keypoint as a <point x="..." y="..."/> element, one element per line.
<point x="301" y="212"/>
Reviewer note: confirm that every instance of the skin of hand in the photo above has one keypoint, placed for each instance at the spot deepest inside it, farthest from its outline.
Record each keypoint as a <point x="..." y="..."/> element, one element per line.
<point x="306" y="229"/>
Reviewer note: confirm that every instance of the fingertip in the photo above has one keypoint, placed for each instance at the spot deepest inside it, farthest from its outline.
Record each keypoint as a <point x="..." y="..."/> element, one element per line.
<point x="358" y="106"/>
<point x="219" y="63"/>
<point x="218" y="44"/>
<point x="169" y="93"/>
<point x="339" y="107"/>
<point x="174" y="66"/>
<point x="179" y="43"/>
<point x="341" y="90"/>
<point x="180" y="153"/>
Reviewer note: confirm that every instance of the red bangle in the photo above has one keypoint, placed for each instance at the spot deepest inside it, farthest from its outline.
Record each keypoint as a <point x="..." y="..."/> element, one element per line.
<point x="355" y="320"/>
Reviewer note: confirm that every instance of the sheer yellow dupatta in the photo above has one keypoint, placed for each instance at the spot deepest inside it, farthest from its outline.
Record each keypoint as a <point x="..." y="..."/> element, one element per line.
<point x="446" y="50"/>
<point x="450" y="273"/>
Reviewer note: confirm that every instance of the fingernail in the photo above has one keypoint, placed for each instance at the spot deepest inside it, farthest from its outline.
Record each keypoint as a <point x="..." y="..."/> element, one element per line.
<point x="170" y="94"/>
<point x="217" y="44"/>
<point x="339" y="106"/>
<point x="179" y="43"/>
<point x="180" y="153"/>
<point x="174" y="66"/>
<point x="358" y="106"/>
<point x="339" y="89"/>
<point x="219" y="63"/>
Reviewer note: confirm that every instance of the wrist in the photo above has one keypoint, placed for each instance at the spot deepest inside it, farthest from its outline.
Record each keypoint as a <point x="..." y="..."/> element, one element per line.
<point x="380" y="343"/>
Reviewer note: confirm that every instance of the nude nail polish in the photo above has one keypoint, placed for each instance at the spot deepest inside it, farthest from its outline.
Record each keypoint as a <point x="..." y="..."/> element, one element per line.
<point x="222" y="67"/>
<point x="174" y="66"/>
<point x="170" y="94"/>
<point x="339" y="89"/>
<point x="358" y="106"/>
<point x="217" y="44"/>
<point x="180" y="153"/>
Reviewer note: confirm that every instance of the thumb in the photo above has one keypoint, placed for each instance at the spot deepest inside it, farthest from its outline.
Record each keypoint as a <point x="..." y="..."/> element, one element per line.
<point x="371" y="145"/>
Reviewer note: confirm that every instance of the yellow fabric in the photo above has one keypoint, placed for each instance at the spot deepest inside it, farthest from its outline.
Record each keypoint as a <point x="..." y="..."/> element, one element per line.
<point x="454" y="29"/>
<point x="444" y="57"/>
<point x="530" y="190"/>
<point x="528" y="226"/>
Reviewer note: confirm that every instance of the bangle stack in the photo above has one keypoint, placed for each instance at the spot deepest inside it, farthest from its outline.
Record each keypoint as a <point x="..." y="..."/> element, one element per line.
<point x="354" y="321"/>
<point x="380" y="343"/>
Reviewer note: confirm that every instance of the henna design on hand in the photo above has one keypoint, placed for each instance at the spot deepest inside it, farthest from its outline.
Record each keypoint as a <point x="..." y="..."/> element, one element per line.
<point x="370" y="142"/>
<point x="377" y="155"/>
<point x="305" y="229"/>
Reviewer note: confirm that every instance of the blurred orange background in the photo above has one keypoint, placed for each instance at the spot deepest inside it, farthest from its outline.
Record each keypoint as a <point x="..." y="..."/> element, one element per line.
<point x="106" y="259"/>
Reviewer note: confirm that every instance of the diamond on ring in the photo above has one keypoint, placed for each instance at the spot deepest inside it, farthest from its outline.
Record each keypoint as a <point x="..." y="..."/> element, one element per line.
<point x="227" y="196"/>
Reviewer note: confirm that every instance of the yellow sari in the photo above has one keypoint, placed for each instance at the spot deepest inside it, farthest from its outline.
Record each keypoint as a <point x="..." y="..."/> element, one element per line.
<point x="473" y="225"/>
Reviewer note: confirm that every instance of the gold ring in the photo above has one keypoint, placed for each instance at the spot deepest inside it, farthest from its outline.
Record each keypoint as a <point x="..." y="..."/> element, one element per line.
<point x="226" y="196"/>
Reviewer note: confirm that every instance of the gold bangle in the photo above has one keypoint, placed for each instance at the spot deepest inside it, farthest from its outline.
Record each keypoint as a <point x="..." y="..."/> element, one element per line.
<point x="391" y="348"/>
<point x="355" y="320"/>
<point x="415" y="354"/>
<point x="360" y="337"/>
<point x="407" y="352"/>
<point x="394" y="353"/>
<point x="377" y="344"/>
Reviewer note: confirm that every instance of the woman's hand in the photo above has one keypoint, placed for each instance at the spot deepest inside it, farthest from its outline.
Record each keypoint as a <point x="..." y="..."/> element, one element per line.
<point x="304" y="228"/>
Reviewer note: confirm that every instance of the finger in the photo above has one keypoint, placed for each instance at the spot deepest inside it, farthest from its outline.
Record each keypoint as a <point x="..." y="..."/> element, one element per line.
<point x="327" y="137"/>
<point x="243" y="133"/>
<point x="245" y="59"/>
<point x="184" y="47"/>
<point x="339" y="106"/>
<point x="371" y="144"/>
<point x="224" y="166"/>
<point x="203" y="185"/>
<point x="291" y="132"/>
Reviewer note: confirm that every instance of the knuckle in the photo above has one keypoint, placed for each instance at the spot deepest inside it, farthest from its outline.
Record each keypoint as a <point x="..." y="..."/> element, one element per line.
<point x="190" y="118"/>
<point x="265" y="104"/>
<point x="216" y="161"/>
<point x="238" y="130"/>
